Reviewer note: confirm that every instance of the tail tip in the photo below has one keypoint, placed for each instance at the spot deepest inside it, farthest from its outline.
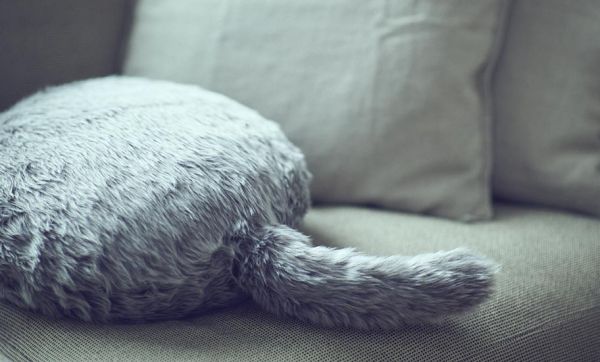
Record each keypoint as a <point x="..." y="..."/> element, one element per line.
<point x="472" y="277"/>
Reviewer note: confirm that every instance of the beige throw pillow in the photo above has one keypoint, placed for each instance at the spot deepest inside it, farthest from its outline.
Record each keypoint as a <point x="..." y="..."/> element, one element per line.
<point x="548" y="105"/>
<point x="388" y="99"/>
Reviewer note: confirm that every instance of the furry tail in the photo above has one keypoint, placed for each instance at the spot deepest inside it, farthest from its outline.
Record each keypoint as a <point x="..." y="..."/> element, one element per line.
<point x="286" y="275"/>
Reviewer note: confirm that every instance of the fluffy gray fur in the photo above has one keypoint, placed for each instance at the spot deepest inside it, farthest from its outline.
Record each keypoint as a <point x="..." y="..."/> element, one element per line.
<point x="124" y="199"/>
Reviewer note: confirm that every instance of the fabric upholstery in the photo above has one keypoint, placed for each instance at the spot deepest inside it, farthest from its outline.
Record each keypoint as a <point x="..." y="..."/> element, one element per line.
<point x="388" y="100"/>
<point x="45" y="43"/>
<point x="547" y="94"/>
<point x="546" y="308"/>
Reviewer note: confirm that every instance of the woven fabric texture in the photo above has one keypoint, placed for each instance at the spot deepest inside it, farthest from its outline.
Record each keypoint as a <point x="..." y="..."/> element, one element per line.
<point x="547" y="304"/>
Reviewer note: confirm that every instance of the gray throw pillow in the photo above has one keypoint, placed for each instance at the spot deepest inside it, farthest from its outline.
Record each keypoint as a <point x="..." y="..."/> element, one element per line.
<point x="547" y="91"/>
<point x="388" y="100"/>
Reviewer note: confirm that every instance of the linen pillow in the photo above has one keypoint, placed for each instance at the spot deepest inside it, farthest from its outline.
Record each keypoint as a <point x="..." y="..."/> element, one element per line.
<point x="548" y="106"/>
<point x="388" y="100"/>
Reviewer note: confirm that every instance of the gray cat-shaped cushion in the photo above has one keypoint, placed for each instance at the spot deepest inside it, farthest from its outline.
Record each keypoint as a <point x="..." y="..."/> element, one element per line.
<point x="125" y="199"/>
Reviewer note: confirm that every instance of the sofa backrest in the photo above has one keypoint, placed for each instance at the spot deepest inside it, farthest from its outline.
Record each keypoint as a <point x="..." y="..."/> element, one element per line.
<point x="51" y="42"/>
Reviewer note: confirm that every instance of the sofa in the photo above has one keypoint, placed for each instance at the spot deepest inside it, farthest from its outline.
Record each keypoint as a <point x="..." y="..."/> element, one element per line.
<point x="546" y="304"/>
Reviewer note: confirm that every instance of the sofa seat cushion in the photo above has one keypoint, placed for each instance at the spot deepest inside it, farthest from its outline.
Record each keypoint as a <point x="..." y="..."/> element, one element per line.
<point x="546" y="307"/>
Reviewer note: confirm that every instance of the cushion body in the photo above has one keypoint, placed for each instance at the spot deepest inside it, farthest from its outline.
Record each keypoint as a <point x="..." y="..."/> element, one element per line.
<point x="125" y="199"/>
